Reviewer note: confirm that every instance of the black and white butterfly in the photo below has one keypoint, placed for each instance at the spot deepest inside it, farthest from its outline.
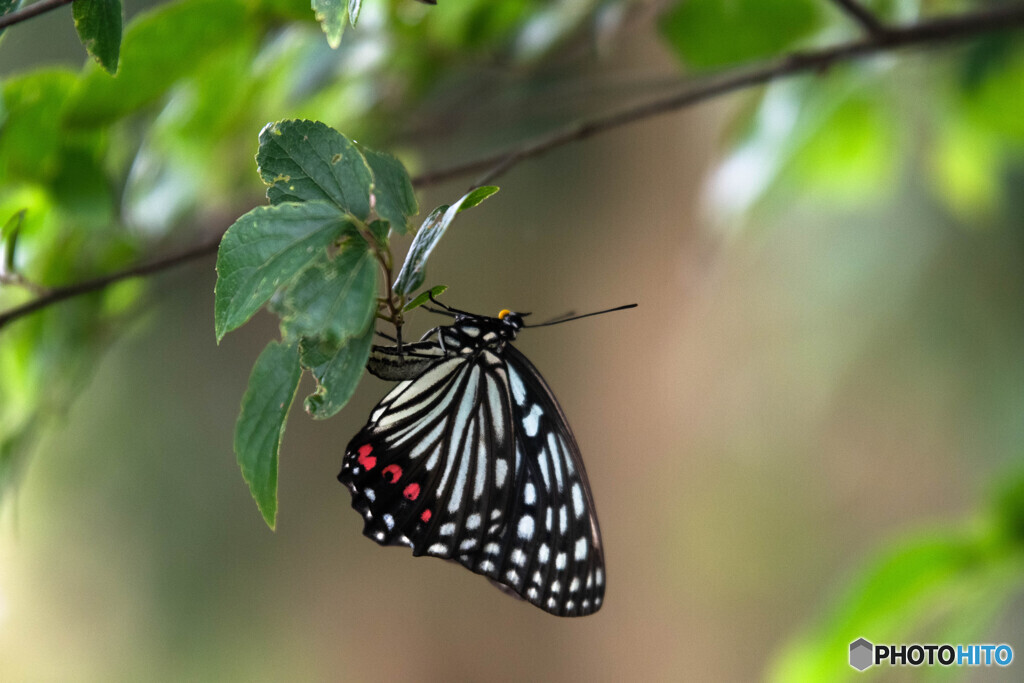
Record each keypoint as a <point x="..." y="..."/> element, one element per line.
<point x="470" y="458"/>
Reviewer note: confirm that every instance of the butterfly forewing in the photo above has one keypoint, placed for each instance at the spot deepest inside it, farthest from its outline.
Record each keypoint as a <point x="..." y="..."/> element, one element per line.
<point x="473" y="461"/>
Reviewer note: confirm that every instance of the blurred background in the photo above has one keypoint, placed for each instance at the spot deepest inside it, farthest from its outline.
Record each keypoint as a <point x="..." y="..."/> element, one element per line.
<point x="811" y="426"/>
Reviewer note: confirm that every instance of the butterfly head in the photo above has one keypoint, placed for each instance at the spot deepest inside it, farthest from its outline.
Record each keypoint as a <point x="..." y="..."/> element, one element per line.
<point x="511" y="322"/>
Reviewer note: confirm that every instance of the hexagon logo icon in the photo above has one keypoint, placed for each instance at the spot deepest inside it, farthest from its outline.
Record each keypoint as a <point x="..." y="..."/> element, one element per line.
<point x="861" y="654"/>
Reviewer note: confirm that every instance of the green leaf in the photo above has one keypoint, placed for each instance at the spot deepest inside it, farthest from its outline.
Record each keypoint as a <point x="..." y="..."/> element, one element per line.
<point x="310" y="161"/>
<point x="708" y="33"/>
<point x="264" y="250"/>
<point x="272" y="387"/>
<point x="98" y="23"/>
<point x="379" y="230"/>
<point x="424" y="297"/>
<point x="32" y="135"/>
<point x="331" y="15"/>
<point x="929" y="582"/>
<point x="414" y="269"/>
<point x="9" y="241"/>
<point x="353" y="10"/>
<point x="392" y="189"/>
<point x="337" y="372"/>
<point x="334" y="299"/>
<point x="160" y="47"/>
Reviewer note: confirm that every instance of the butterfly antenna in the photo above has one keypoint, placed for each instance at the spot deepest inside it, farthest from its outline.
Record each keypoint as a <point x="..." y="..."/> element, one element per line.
<point x="585" y="315"/>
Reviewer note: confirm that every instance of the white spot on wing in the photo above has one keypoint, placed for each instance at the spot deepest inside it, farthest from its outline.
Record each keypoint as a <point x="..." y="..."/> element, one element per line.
<point x="525" y="529"/>
<point x="544" y="553"/>
<point x="500" y="471"/>
<point x="518" y="390"/>
<point x="389" y="521"/>
<point x="438" y="549"/>
<point x="495" y="404"/>
<point x="529" y="494"/>
<point x="492" y="548"/>
<point x="487" y="566"/>
<point x="575" y="585"/>
<point x="563" y="519"/>
<point x="557" y="457"/>
<point x="581" y="549"/>
<point x="473" y="521"/>
<point x="577" y="499"/>
<point x="447" y="529"/>
<point x="560" y="561"/>
<point x="455" y="502"/>
<point x="531" y="423"/>
<point x="542" y="462"/>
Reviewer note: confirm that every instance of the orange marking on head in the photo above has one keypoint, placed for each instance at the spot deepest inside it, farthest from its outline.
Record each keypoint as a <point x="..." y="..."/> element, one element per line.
<point x="504" y="312"/>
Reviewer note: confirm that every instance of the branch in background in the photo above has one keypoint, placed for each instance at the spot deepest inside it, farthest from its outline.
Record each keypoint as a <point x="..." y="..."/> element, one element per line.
<point x="70" y="291"/>
<point x="929" y="32"/>
<point x="863" y="16"/>
<point x="33" y="10"/>
<point x="938" y="30"/>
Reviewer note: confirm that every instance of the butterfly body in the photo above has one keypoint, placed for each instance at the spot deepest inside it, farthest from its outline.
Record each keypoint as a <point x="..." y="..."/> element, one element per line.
<point x="470" y="458"/>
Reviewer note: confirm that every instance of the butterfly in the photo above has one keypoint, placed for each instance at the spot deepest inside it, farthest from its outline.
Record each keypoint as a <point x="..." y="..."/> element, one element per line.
<point x="471" y="459"/>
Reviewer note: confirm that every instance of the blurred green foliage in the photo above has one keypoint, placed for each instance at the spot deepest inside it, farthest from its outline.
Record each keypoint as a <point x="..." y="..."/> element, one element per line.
<point x="108" y="170"/>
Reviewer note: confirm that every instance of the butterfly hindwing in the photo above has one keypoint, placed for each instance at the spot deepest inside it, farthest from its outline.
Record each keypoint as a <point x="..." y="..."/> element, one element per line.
<point x="565" y="560"/>
<point x="473" y="461"/>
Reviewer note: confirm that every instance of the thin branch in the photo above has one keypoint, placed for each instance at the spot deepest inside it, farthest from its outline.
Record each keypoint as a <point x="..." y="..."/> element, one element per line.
<point x="62" y="293"/>
<point x="33" y="10"/>
<point x="929" y="32"/>
<point x="863" y="16"/>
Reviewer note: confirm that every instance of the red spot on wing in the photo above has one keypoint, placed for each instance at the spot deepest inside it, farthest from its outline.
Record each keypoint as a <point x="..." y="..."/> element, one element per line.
<point x="425" y="516"/>
<point x="412" y="491"/>
<point x="365" y="459"/>
<point x="391" y="473"/>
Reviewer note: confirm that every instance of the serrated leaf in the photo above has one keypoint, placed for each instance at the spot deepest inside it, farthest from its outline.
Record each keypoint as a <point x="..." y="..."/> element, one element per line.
<point x="264" y="250"/>
<point x="334" y="299"/>
<point x="160" y="47"/>
<point x="414" y="269"/>
<point x="392" y="189"/>
<point x="272" y="387"/>
<point x="424" y="297"/>
<point x="353" y="11"/>
<point x="331" y="15"/>
<point x="310" y="161"/>
<point x="98" y="23"/>
<point x="707" y="33"/>
<point x="337" y="372"/>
